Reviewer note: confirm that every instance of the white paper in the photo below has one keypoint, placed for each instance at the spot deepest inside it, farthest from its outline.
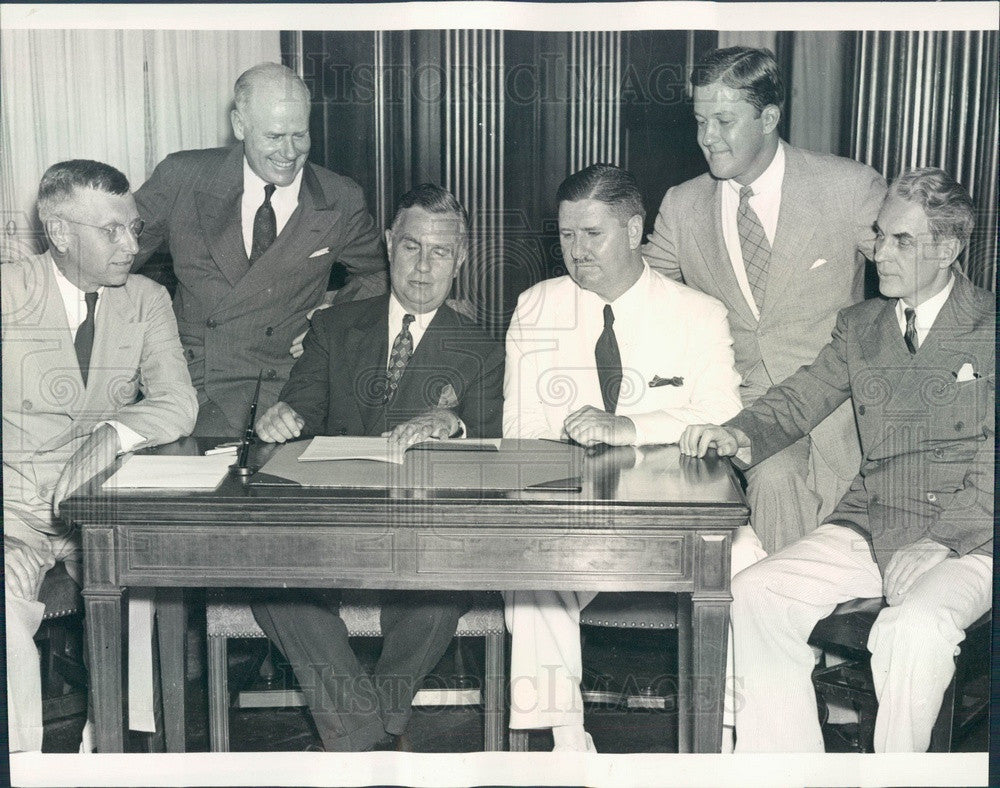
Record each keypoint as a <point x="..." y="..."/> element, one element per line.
<point x="166" y="471"/>
<point x="329" y="447"/>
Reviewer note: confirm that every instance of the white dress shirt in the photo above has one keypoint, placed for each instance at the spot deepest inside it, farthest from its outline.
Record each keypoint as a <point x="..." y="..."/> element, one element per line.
<point x="417" y="327"/>
<point x="284" y="201"/>
<point x="74" y="301"/>
<point x="927" y="312"/>
<point x="766" y="203"/>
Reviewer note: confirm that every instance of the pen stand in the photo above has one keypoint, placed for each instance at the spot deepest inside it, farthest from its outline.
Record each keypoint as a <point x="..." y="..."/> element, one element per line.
<point x="243" y="474"/>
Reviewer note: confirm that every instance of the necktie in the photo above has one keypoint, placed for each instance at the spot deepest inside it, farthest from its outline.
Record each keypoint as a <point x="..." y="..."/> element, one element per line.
<point x="609" y="362"/>
<point x="910" y="335"/>
<point x="754" y="245"/>
<point x="265" y="226"/>
<point x="402" y="349"/>
<point x="84" y="341"/>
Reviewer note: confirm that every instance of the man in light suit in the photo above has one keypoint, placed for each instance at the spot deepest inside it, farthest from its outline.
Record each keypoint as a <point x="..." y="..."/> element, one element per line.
<point x="253" y="231"/>
<point x="916" y="524"/>
<point x="612" y="353"/>
<point x="407" y="366"/>
<point x="774" y="233"/>
<point x="82" y="340"/>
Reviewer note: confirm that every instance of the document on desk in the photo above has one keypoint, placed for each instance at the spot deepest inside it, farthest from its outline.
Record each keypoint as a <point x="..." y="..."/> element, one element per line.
<point x="170" y="471"/>
<point x="328" y="447"/>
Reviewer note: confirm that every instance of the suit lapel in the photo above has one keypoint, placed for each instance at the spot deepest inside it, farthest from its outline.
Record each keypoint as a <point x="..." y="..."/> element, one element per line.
<point x="712" y="246"/>
<point x="367" y="341"/>
<point x="114" y="363"/>
<point x="219" y="212"/>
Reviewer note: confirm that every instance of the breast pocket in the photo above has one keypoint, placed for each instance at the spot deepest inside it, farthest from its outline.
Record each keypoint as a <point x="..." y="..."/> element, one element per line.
<point x="960" y="410"/>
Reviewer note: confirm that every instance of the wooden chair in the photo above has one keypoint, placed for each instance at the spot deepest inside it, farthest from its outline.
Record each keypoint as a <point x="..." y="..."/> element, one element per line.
<point x="657" y="611"/>
<point x="60" y="642"/>
<point x="845" y="633"/>
<point x="227" y="617"/>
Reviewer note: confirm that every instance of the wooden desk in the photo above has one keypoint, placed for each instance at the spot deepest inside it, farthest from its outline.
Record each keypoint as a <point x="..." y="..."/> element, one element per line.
<point x="664" y="524"/>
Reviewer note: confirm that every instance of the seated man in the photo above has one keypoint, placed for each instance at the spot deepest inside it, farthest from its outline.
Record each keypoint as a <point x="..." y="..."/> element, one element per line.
<point x="82" y="340"/>
<point x="613" y="353"/>
<point x="916" y="524"/>
<point x="407" y="366"/>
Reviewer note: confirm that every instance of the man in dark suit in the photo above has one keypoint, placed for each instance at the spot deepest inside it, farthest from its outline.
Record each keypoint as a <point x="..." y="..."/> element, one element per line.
<point x="773" y="232"/>
<point x="916" y="524"/>
<point x="406" y="366"/>
<point x="253" y="232"/>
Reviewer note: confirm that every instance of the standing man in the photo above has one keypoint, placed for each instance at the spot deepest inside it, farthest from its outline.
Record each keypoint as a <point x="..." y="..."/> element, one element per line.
<point x="774" y="233"/>
<point x="916" y="524"/>
<point x="407" y="366"/>
<point x="612" y="353"/>
<point x="92" y="368"/>
<point x="253" y="231"/>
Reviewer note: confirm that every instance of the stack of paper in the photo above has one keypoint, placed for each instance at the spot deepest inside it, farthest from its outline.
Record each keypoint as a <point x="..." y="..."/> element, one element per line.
<point x="171" y="471"/>
<point x="326" y="447"/>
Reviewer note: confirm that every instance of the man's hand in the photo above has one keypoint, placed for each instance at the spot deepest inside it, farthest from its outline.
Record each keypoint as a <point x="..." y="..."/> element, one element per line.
<point x="908" y="564"/>
<point x="94" y="455"/>
<point x="296" y="348"/>
<point x="439" y="423"/>
<point x="279" y="423"/>
<point x="589" y="426"/>
<point x="699" y="438"/>
<point x="24" y="568"/>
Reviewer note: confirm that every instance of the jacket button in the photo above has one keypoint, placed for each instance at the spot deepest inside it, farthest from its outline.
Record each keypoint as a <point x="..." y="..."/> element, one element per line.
<point x="27" y="405"/>
<point x="874" y="499"/>
<point x="269" y="374"/>
<point x="211" y="323"/>
<point x="342" y="430"/>
<point x="959" y="425"/>
<point x="861" y="410"/>
<point x="938" y="453"/>
<point x="269" y="330"/>
<point x="931" y="497"/>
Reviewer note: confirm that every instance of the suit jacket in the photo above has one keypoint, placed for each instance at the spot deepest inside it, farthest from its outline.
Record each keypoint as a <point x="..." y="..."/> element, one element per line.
<point x="236" y="320"/>
<point x="47" y="411"/>
<point x="828" y="205"/>
<point x="927" y="439"/>
<point x="338" y="383"/>
<point x="681" y="333"/>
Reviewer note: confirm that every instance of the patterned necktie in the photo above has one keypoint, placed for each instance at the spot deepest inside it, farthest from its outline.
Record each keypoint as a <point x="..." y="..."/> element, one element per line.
<point x="402" y="349"/>
<point x="265" y="226"/>
<point x="84" y="341"/>
<point x="754" y="245"/>
<point x="910" y="335"/>
<point x="609" y="362"/>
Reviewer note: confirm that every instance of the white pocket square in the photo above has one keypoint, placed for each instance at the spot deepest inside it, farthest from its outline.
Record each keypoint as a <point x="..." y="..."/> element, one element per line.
<point x="965" y="372"/>
<point x="319" y="252"/>
<point x="818" y="263"/>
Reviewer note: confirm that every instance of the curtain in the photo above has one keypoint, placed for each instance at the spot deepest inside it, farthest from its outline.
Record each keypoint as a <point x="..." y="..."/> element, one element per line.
<point x="816" y="89"/>
<point x="930" y="99"/>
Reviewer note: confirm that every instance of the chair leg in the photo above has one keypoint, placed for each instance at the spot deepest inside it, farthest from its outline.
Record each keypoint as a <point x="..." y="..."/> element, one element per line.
<point x="218" y="695"/>
<point x="493" y="687"/>
<point x="942" y="731"/>
<point x="518" y="740"/>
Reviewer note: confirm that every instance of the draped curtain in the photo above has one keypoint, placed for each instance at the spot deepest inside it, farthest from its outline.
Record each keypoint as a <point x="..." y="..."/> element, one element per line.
<point x="930" y="99"/>
<point x="125" y="97"/>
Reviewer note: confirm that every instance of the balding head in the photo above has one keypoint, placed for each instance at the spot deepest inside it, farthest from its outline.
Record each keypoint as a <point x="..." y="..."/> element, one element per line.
<point x="272" y="119"/>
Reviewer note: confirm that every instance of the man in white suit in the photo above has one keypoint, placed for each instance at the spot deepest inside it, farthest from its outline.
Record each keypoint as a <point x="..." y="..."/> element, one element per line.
<point x="82" y="338"/>
<point x="774" y="233"/>
<point x="613" y="353"/>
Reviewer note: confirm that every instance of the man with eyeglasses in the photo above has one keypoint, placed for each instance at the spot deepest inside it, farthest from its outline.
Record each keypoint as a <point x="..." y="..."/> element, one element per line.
<point x="82" y="340"/>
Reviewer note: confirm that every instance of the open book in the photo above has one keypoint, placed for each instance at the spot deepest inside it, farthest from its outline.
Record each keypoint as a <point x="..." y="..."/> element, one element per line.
<point x="326" y="447"/>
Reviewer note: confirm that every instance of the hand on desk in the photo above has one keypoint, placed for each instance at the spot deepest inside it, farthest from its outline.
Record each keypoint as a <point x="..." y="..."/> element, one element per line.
<point x="279" y="423"/>
<point x="438" y="423"/>
<point x="94" y="455"/>
<point x="699" y="438"/>
<point x="589" y="426"/>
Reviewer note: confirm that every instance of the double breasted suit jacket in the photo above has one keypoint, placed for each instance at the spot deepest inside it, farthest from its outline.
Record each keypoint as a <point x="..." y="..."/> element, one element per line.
<point x="47" y="410"/>
<point x="236" y="320"/>
<point x="828" y="205"/>
<point x="338" y="385"/>
<point x="927" y="438"/>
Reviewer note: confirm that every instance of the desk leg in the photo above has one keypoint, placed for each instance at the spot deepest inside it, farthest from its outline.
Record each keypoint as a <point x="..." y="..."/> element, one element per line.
<point x="710" y="630"/>
<point x="104" y="651"/>
<point x="171" y="624"/>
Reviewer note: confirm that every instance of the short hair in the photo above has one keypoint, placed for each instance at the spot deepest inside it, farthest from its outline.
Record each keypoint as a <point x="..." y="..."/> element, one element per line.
<point x="605" y="183"/>
<point x="60" y="180"/>
<point x="273" y="72"/>
<point x="947" y="204"/>
<point x="433" y="199"/>
<point x="753" y="71"/>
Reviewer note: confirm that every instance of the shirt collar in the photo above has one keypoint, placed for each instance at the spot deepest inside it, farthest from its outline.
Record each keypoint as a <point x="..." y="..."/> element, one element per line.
<point x="769" y="181"/>
<point x="254" y="184"/>
<point x="396" y="312"/>
<point x="927" y="311"/>
<point x="71" y="294"/>
<point x="628" y="301"/>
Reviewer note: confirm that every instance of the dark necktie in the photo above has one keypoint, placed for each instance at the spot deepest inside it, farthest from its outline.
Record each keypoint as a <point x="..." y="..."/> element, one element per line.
<point x="265" y="226"/>
<point x="609" y="362"/>
<point x="754" y="245"/>
<point x="84" y="341"/>
<point x="402" y="349"/>
<point x="910" y="335"/>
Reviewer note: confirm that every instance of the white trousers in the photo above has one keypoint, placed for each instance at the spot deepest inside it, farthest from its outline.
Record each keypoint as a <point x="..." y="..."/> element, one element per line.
<point x="546" y="665"/>
<point x="776" y="604"/>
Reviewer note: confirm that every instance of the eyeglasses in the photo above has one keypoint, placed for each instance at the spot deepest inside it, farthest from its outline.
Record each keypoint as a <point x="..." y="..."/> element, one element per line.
<point x="116" y="231"/>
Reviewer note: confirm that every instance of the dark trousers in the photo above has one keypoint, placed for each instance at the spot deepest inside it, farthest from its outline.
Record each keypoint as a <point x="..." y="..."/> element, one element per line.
<point x="352" y="710"/>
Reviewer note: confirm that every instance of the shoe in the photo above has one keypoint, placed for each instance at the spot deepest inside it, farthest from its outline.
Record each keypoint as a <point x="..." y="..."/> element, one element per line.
<point x="588" y="745"/>
<point x="394" y="743"/>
